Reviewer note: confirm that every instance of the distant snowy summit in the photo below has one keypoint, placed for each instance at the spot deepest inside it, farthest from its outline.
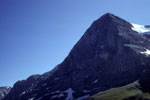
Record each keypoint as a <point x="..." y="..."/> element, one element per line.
<point x="141" y="28"/>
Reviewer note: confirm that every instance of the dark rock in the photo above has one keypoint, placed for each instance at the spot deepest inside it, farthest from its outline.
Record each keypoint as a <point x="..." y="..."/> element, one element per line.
<point x="147" y="26"/>
<point x="4" y="91"/>
<point x="21" y="87"/>
<point x="145" y="81"/>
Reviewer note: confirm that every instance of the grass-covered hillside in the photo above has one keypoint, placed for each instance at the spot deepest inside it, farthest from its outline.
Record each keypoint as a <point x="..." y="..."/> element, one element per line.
<point x="131" y="91"/>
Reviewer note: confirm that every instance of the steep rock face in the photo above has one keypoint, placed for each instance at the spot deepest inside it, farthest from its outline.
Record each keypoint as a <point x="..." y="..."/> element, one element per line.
<point x="109" y="54"/>
<point x="4" y="91"/>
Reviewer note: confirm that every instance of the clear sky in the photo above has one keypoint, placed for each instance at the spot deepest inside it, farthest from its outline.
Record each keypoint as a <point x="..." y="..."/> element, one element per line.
<point x="36" y="35"/>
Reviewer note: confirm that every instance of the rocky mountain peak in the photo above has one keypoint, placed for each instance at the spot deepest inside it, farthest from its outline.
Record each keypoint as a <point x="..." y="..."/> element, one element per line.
<point x="107" y="33"/>
<point x="109" y="54"/>
<point x="109" y="18"/>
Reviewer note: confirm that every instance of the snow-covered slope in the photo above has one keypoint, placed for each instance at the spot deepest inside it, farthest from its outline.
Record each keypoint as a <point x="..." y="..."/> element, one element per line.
<point x="140" y="28"/>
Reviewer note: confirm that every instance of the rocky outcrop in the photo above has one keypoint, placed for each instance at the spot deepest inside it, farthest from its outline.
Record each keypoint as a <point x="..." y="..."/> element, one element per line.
<point x="4" y="91"/>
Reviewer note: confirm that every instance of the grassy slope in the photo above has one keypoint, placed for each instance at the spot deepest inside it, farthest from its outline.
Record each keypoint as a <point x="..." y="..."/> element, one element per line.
<point x="129" y="92"/>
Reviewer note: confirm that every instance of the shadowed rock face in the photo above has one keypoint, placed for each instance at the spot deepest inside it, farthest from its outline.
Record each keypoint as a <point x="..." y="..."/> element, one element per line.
<point x="4" y="91"/>
<point x="145" y="81"/>
<point x="107" y="55"/>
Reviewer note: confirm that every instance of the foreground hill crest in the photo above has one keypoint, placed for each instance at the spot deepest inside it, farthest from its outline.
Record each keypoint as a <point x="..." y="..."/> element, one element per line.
<point x="108" y="53"/>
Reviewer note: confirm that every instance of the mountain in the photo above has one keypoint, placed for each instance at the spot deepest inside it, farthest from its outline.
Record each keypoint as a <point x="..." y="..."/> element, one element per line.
<point x="4" y="91"/>
<point x="111" y="53"/>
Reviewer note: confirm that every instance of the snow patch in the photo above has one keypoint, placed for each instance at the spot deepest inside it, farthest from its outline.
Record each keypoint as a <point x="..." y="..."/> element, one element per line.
<point x="60" y="95"/>
<point x="57" y="96"/>
<point x="83" y="97"/>
<point x="146" y="52"/>
<point x="132" y="45"/>
<point x="140" y="28"/>
<point x="8" y="87"/>
<point x="54" y="96"/>
<point x="31" y="98"/>
<point x="95" y="81"/>
<point x="23" y="93"/>
<point x="69" y="94"/>
<point x="2" y="94"/>
<point x="55" y="92"/>
<point x="85" y="91"/>
<point x="4" y="91"/>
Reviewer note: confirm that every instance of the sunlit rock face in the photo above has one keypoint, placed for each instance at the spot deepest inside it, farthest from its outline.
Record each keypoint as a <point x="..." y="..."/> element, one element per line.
<point x="111" y="53"/>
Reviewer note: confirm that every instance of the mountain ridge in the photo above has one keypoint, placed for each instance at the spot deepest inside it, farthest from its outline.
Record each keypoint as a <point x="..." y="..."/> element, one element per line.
<point x="4" y="91"/>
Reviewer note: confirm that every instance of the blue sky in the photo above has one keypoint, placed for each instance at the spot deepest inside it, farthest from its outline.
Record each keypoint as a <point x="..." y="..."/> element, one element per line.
<point x="36" y="35"/>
